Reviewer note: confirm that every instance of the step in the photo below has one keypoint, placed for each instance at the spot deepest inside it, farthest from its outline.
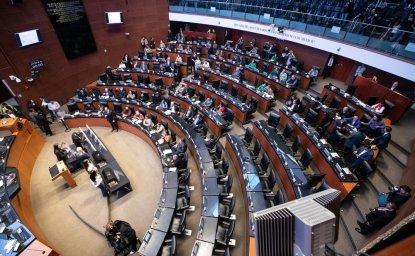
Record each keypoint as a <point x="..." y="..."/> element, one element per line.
<point x="379" y="181"/>
<point x="364" y="196"/>
<point x="343" y="244"/>
<point x="350" y="215"/>
<point x="397" y="152"/>
<point x="389" y="167"/>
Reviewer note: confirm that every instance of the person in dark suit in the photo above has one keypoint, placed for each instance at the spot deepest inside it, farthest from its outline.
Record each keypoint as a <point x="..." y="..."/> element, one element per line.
<point x="364" y="153"/>
<point x="382" y="141"/>
<point x="180" y="147"/>
<point x="354" y="122"/>
<point x="377" y="218"/>
<point x="110" y="116"/>
<point x="345" y="113"/>
<point x="210" y="141"/>
<point x="143" y="66"/>
<point x="197" y="121"/>
<point x="126" y="60"/>
<point x="396" y="194"/>
<point x="42" y="122"/>
<point x="109" y="73"/>
<point x="121" y="236"/>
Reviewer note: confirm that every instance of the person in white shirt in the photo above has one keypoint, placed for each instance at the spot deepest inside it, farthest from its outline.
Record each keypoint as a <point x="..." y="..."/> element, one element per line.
<point x="96" y="181"/>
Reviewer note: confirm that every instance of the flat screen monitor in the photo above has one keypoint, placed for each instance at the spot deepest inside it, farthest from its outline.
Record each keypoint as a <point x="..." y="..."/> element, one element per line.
<point x="114" y="17"/>
<point x="28" y="37"/>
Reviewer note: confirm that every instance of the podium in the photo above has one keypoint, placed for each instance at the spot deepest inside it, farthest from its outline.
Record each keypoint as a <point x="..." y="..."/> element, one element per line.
<point x="60" y="169"/>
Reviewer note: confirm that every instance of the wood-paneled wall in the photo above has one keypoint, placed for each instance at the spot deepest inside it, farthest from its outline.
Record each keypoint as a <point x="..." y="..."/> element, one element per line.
<point x="60" y="77"/>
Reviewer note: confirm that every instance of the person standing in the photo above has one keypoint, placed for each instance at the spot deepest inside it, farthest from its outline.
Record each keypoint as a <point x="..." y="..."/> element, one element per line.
<point x="328" y="67"/>
<point x="110" y="116"/>
<point x="96" y="181"/>
<point x="42" y="122"/>
<point x="121" y="236"/>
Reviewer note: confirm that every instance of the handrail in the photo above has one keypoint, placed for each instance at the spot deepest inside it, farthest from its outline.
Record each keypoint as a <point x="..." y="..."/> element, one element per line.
<point x="401" y="42"/>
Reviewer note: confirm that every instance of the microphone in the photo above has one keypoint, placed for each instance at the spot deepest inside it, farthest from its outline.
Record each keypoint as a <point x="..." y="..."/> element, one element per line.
<point x="36" y="250"/>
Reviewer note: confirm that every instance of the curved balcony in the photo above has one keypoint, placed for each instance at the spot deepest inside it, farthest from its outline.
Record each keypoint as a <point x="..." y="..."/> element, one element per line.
<point x="324" y="21"/>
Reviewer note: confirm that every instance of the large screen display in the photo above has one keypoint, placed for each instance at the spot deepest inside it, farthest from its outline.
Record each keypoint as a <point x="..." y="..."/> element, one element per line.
<point x="28" y="37"/>
<point x="114" y="17"/>
<point x="71" y="25"/>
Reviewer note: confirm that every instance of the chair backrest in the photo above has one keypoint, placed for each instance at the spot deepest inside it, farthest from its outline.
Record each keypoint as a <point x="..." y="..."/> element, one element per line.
<point x="234" y="91"/>
<point x="248" y="135"/>
<point x="264" y="163"/>
<point x="229" y="183"/>
<point x="257" y="148"/>
<point x="335" y="102"/>
<point x="351" y="109"/>
<point x="201" y="96"/>
<point x="278" y="198"/>
<point x="311" y="116"/>
<point x="224" y="85"/>
<point x="158" y="81"/>
<point x="365" y="118"/>
<point x="288" y="130"/>
<point x="226" y="68"/>
<point x="117" y="107"/>
<point x="142" y="111"/>
<point x="225" y="165"/>
<point x="265" y="67"/>
<point x="272" y="179"/>
<point x="218" y="151"/>
<point x="72" y="107"/>
<point x="274" y="120"/>
<point x="388" y="107"/>
<point x="296" y="145"/>
<point x="164" y="123"/>
<point x="173" y="136"/>
<point x="372" y="100"/>
<point x="153" y="118"/>
<point x="230" y="230"/>
<point x="229" y="115"/>
<point x="306" y="158"/>
<point x="144" y="96"/>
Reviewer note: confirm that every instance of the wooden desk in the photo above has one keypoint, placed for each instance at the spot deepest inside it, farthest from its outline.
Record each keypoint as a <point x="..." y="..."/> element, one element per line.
<point x="366" y="88"/>
<point x="319" y="160"/>
<point x="60" y="169"/>
<point x="37" y="248"/>
<point x="195" y="34"/>
<point x="263" y="103"/>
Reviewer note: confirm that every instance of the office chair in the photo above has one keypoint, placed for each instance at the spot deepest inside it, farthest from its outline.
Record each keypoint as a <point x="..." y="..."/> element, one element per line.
<point x="287" y="132"/>
<point x="140" y="79"/>
<point x="173" y="137"/>
<point x="184" y="176"/>
<point x="222" y="170"/>
<point x="351" y="89"/>
<point x="389" y="106"/>
<point x="212" y="146"/>
<point x="234" y="91"/>
<point x="144" y="96"/>
<point x="301" y="108"/>
<point x="117" y="107"/>
<point x="363" y="170"/>
<point x="201" y="96"/>
<point x="127" y="77"/>
<point x="224" y="232"/>
<point x="221" y="251"/>
<point x="142" y="111"/>
<point x="225" y="189"/>
<point x="248" y="136"/>
<point x="140" y="55"/>
<point x="306" y="159"/>
<point x="255" y="151"/>
<point x="103" y="103"/>
<point x="296" y="145"/>
<point x="265" y="67"/>
<point x="158" y="82"/>
<point x="243" y="97"/>
<point x="147" y="80"/>
<point x="164" y="123"/>
<point x="156" y="67"/>
<point x="274" y="119"/>
<point x="227" y="69"/>
<point x="311" y="117"/>
<point x="178" y="224"/>
<point x="269" y="181"/>
<point x="169" y="247"/>
<point x="183" y="199"/>
<point x="226" y="207"/>
<point x="365" y="118"/>
<point x="217" y="156"/>
<point x="72" y="107"/>
<point x="335" y="102"/>
<point x="274" y="199"/>
<point x="372" y="100"/>
<point x="206" y="78"/>
<point x="153" y="118"/>
<point x="263" y="164"/>
<point x="149" y="55"/>
<point x="224" y="85"/>
<point x="229" y="116"/>
<point x="351" y="110"/>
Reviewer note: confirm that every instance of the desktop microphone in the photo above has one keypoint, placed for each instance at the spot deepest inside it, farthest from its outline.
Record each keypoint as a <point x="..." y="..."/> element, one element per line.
<point x="36" y="250"/>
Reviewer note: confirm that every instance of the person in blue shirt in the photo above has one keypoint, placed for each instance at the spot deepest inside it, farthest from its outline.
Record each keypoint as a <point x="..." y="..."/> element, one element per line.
<point x="292" y="82"/>
<point x="354" y="122"/>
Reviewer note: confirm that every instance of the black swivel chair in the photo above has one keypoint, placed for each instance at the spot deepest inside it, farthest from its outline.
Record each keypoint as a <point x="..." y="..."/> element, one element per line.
<point x="372" y="100"/>
<point x="169" y="247"/>
<point x="389" y="106"/>
<point x="222" y="170"/>
<point x="269" y="181"/>
<point x="225" y="188"/>
<point x="72" y="107"/>
<point x="274" y="120"/>
<point x="183" y="199"/>
<point x="311" y="117"/>
<point x="351" y="110"/>
<point x="217" y="156"/>
<point x="184" y="176"/>
<point x="255" y="151"/>
<point x="142" y="111"/>
<point x="201" y="96"/>
<point x="287" y="132"/>
<point x="117" y="107"/>
<point x="306" y="159"/>
<point x="234" y="91"/>
<point x="159" y="82"/>
<point x="229" y="116"/>
<point x="363" y="170"/>
<point x="296" y="145"/>
<point x="274" y="199"/>
<point x="224" y="232"/>
<point x="164" y="123"/>
<point x="263" y="164"/>
<point x="265" y="67"/>
<point x="178" y="225"/>
<point x="227" y="69"/>
<point x="144" y="96"/>
<point x="226" y="207"/>
<point x="335" y="102"/>
<point x="153" y="118"/>
<point x="248" y="136"/>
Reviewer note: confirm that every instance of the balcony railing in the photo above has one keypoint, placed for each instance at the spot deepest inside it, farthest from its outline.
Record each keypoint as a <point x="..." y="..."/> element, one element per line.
<point x="386" y="39"/>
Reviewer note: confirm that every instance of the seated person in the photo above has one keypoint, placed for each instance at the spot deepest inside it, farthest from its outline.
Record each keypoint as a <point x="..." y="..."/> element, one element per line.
<point x="313" y="73"/>
<point x="344" y="113"/>
<point x="221" y="109"/>
<point x="126" y="113"/>
<point x="180" y="147"/>
<point x="378" y="108"/>
<point x="283" y="76"/>
<point x="292" y="82"/>
<point x="197" y="121"/>
<point x="181" y="89"/>
<point x="78" y="139"/>
<point x="274" y="58"/>
<point x="159" y="128"/>
<point x="261" y="88"/>
<point x="205" y="64"/>
<point x="274" y="74"/>
<point x="163" y="105"/>
<point x="180" y="48"/>
<point x="130" y="95"/>
<point x="178" y="59"/>
<point x="162" y="45"/>
<point x="354" y="122"/>
<point x="252" y="64"/>
<point x="143" y="66"/>
<point x="177" y="162"/>
<point x="236" y="73"/>
<point x="121" y="93"/>
<point x="198" y="63"/>
<point x="147" y="122"/>
<point x="210" y="141"/>
<point x="396" y="194"/>
<point x="352" y="142"/>
<point x="189" y="113"/>
<point x="364" y="153"/>
<point x="219" y="54"/>
<point x="253" y="51"/>
<point x="269" y="93"/>
<point x="377" y="218"/>
<point x="374" y="126"/>
<point x="107" y="93"/>
<point x="60" y="154"/>
<point x="208" y="103"/>
<point x="121" y="236"/>
<point x="138" y="116"/>
<point x="126" y="60"/>
<point x="292" y="103"/>
<point x="166" y="136"/>
<point x="188" y="50"/>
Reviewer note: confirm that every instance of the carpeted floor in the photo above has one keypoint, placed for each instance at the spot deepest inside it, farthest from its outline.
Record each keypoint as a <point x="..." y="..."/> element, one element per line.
<point x="52" y="200"/>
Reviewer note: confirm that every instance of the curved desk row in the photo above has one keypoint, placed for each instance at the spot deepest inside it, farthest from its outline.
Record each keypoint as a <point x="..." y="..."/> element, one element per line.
<point x="338" y="175"/>
<point x="20" y="151"/>
<point x="233" y="103"/>
<point x="252" y="190"/>
<point x="163" y="216"/>
<point x="263" y="103"/>
<point x="252" y="75"/>
<point x="139" y="78"/>
<point x="199" y="48"/>
<point x="290" y="173"/>
<point x="304" y="82"/>
<point x="215" y="122"/>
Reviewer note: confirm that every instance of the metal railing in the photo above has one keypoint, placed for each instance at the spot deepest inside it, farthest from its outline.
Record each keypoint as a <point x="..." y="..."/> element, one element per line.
<point x="323" y="22"/>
